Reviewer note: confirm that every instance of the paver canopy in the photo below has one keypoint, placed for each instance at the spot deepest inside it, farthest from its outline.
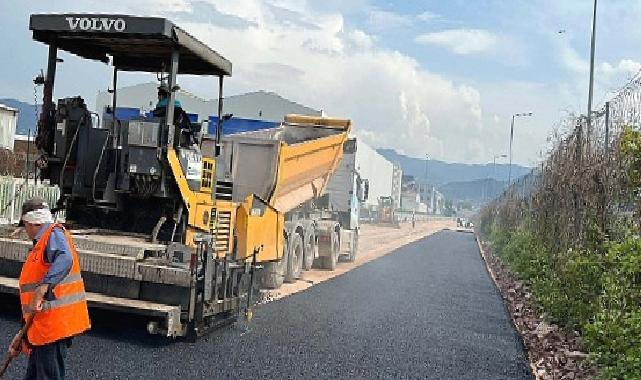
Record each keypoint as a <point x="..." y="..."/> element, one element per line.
<point x="135" y="43"/>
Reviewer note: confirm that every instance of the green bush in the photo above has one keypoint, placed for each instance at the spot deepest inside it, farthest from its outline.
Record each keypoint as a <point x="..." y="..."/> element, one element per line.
<point x="499" y="238"/>
<point x="578" y="274"/>
<point x="595" y="288"/>
<point x="565" y="286"/>
<point x="614" y="336"/>
<point x="599" y="294"/>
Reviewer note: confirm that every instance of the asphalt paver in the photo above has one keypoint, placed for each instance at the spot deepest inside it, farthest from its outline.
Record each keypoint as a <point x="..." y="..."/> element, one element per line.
<point x="428" y="310"/>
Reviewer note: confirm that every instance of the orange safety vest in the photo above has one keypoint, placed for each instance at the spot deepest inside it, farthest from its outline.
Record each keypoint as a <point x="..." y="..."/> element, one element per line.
<point x="66" y="315"/>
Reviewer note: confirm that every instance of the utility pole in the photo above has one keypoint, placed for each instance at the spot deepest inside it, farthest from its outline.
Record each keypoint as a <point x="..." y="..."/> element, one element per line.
<point x="27" y="164"/>
<point x="592" y="48"/>
<point x="579" y="132"/>
<point x="509" y="177"/>
<point x="607" y="130"/>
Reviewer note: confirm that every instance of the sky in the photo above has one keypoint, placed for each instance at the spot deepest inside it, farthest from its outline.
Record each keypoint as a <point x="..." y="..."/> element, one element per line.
<point x="436" y="78"/>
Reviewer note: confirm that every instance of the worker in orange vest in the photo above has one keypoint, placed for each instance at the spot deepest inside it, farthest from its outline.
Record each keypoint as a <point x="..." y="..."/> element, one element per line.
<point x="52" y="291"/>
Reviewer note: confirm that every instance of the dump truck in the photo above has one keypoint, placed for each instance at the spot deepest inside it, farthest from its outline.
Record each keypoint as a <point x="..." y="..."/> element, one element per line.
<point x="346" y="193"/>
<point x="171" y="223"/>
<point x="290" y="167"/>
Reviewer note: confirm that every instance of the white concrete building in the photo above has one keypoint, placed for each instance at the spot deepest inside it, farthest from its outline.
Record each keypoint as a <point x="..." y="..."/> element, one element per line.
<point x="437" y="201"/>
<point x="259" y="105"/>
<point x="377" y="170"/>
<point x="411" y="201"/>
<point x="397" y="184"/>
<point x="8" y="122"/>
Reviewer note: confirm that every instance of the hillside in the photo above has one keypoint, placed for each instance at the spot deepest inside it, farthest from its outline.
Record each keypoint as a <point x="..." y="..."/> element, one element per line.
<point x="478" y="191"/>
<point x="26" y="116"/>
<point x="439" y="172"/>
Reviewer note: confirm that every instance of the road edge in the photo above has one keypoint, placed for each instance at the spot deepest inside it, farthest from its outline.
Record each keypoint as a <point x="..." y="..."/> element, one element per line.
<point x="483" y="253"/>
<point x="544" y="360"/>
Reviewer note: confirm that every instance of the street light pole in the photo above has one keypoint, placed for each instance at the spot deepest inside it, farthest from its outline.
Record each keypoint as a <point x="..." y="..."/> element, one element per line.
<point x="427" y="160"/>
<point x="509" y="177"/>
<point x="494" y="164"/>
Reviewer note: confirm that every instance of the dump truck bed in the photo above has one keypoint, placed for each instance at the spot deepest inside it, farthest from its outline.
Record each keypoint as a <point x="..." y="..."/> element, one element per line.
<point x="286" y="165"/>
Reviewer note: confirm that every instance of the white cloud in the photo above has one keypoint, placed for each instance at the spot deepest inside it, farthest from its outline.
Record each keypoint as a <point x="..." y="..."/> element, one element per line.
<point x="292" y="5"/>
<point x="504" y="98"/>
<point x="625" y="67"/>
<point x="361" y="39"/>
<point x="394" y="102"/>
<point x="573" y="61"/>
<point x="460" y="41"/>
<point x="381" y="19"/>
<point x="609" y="77"/>
<point x="314" y="57"/>
<point x="428" y="16"/>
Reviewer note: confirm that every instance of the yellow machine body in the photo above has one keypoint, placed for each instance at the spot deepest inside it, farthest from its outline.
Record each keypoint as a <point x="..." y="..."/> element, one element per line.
<point x="303" y="170"/>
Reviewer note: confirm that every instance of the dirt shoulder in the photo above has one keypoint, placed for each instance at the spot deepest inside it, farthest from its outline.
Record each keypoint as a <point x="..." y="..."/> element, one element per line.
<point x="374" y="242"/>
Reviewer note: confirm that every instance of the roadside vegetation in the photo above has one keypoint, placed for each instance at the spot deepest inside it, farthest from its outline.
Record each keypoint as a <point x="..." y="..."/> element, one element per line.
<point x="595" y="293"/>
<point x="571" y="232"/>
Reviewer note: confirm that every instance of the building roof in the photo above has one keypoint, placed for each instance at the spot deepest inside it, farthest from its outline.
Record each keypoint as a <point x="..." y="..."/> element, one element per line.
<point x="7" y="108"/>
<point x="270" y="94"/>
<point x="25" y="137"/>
<point x="135" y="43"/>
<point x="258" y="105"/>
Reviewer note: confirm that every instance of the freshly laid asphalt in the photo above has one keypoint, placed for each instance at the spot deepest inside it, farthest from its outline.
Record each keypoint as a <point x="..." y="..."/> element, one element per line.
<point x="427" y="311"/>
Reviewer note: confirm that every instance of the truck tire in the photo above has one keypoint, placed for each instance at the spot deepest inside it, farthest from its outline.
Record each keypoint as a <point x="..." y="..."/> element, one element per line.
<point x="273" y="273"/>
<point x="354" y="248"/>
<point x="295" y="259"/>
<point x="329" y="262"/>
<point x="309" y="249"/>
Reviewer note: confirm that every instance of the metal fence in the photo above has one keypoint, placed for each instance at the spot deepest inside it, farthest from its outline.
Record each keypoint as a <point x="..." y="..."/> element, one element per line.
<point x="15" y="191"/>
<point x="585" y="190"/>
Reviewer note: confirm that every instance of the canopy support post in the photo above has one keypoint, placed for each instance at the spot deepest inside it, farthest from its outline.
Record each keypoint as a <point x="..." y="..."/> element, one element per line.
<point x="169" y="119"/>
<point x="219" y="125"/>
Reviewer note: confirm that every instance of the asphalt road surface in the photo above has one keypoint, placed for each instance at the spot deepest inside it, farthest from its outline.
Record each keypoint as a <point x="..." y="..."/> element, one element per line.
<point x="428" y="310"/>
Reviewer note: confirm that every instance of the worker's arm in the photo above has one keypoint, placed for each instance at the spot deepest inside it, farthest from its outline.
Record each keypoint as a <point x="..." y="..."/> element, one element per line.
<point x="18" y="343"/>
<point x="59" y="255"/>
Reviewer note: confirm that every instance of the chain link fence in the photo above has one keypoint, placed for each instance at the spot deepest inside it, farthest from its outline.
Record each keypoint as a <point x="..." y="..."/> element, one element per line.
<point x="585" y="191"/>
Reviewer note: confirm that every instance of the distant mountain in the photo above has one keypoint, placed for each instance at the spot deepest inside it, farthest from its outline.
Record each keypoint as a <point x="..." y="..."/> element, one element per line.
<point x="439" y="172"/>
<point x="475" y="192"/>
<point x="26" y="115"/>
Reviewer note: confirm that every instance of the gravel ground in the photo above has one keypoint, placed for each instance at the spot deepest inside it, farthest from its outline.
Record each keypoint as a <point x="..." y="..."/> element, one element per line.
<point x="428" y="310"/>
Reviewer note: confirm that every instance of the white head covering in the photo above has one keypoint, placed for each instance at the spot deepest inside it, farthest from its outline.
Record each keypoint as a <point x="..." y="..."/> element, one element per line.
<point x="39" y="216"/>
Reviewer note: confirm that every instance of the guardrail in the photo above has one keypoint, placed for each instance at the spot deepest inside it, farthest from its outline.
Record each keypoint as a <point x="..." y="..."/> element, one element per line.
<point x="15" y="191"/>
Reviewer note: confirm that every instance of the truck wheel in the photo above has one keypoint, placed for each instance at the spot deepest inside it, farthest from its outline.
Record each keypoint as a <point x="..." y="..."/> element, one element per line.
<point x="354" y="248"/>
<point x="329" y="262"/>
<point x="273" y="273"/>
<point x="309" y="250"/>
<point x="295" y="259"/>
